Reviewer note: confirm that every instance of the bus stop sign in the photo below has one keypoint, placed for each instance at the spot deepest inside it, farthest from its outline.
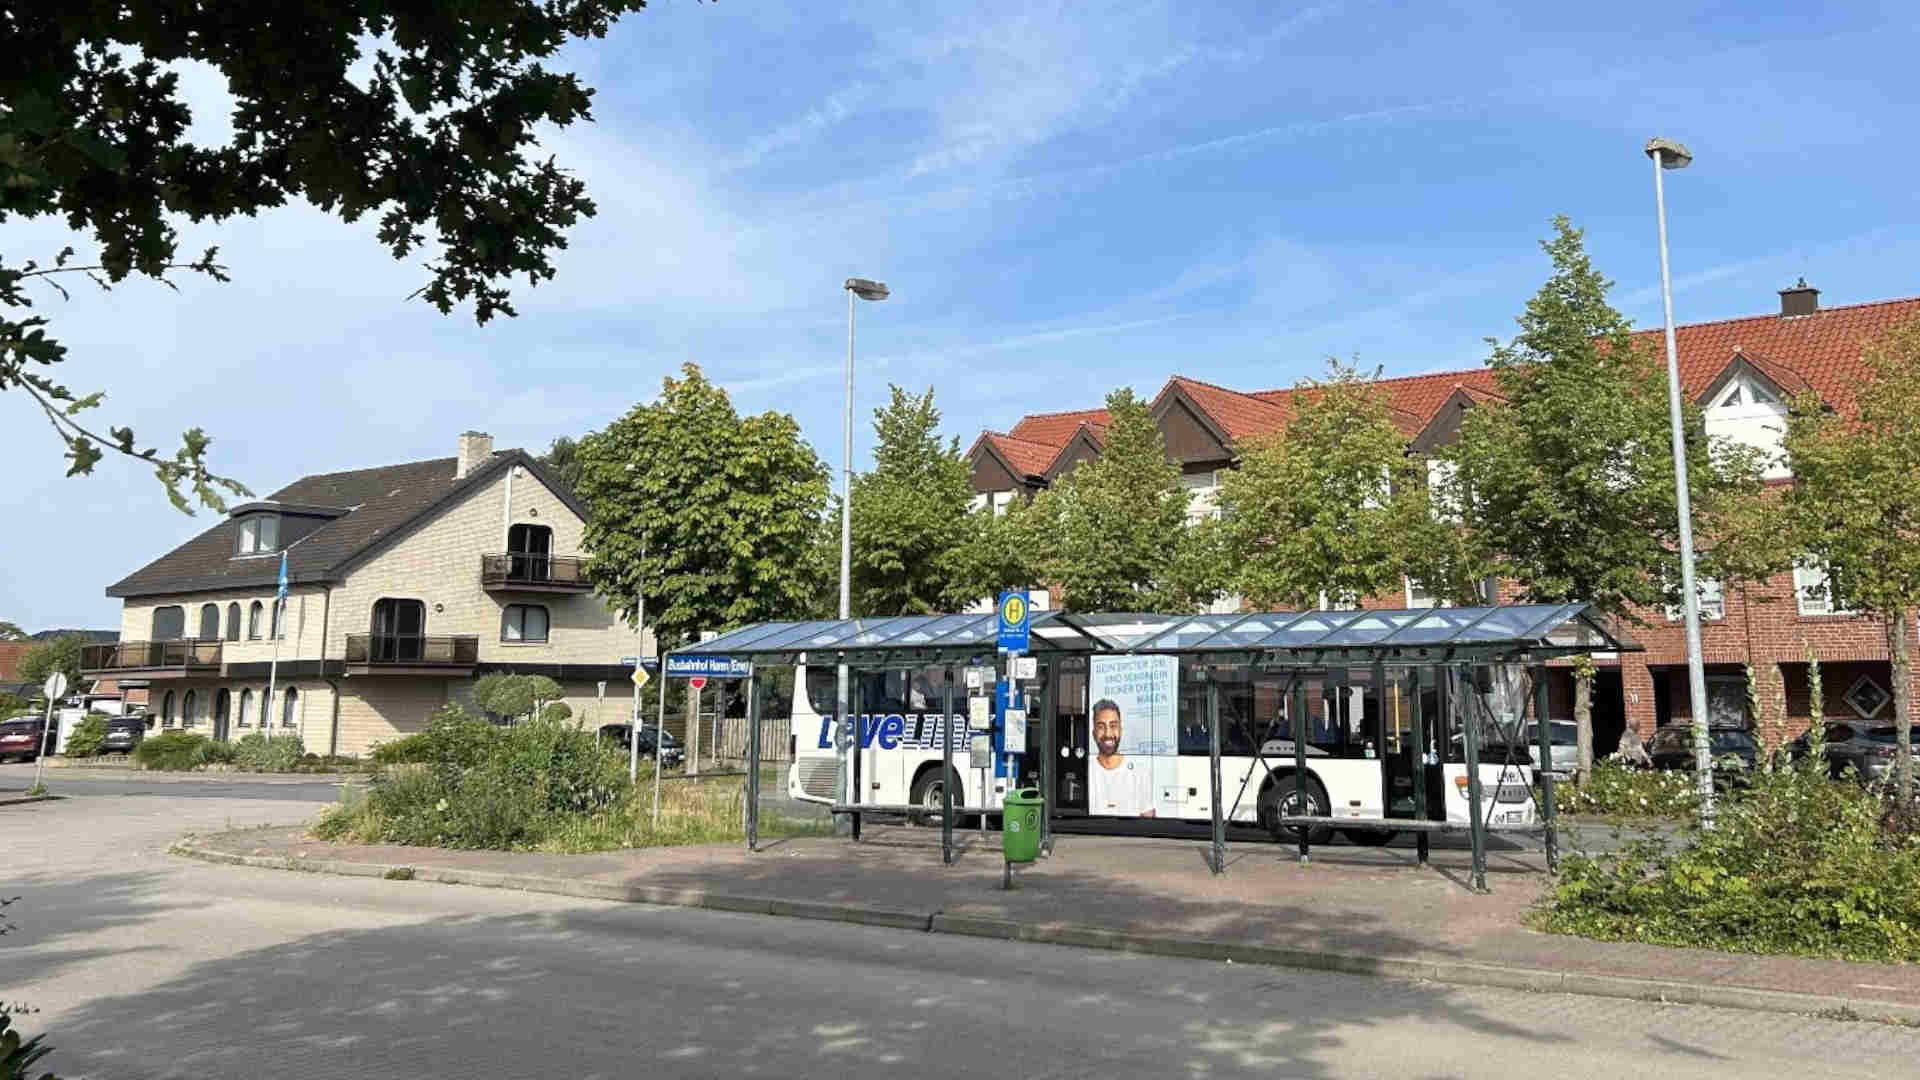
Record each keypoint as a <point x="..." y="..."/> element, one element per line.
<point x="1015" y="621"/>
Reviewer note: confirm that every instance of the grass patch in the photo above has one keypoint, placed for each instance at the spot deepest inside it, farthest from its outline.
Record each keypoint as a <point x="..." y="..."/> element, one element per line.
<point x="1797" y="864"/>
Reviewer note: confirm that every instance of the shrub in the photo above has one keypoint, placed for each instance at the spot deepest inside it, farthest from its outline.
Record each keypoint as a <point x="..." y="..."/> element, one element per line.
<point x="258" y="751"/>
<point x="1798" y="864"/>
<point x="1616" y="789"/>
<point x="172" y="751"/>
<point x="466" y="784"/>
<point x="559" y="710"/>
<point x="87" y="735"/>
<point x="218" y="752"/>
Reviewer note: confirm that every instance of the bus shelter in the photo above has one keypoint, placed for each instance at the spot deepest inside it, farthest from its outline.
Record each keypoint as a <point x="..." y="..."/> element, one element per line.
<point x="1437" y="670"/>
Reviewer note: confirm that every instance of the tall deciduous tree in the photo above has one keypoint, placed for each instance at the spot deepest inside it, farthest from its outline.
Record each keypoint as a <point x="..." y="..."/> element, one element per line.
<point x="11" y="631"/>
<point x="1854" y="507"/>
<point x="712" y="518"/>
<point x="436" y="137"/>
<point x="1332" y="506"/>
<point x="1567" y="487"/>
<point x="909" y="513"/>
<point x="563" y="460"/>
<point x="1112" y="534"/>
<point x="998" y="549"/>
<point x="62" y="654"/>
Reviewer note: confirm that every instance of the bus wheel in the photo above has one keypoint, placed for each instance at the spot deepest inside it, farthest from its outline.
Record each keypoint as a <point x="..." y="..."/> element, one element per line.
<point x="1288" y="796"/>
<point x="926" y="795"/>
<point x="1369" y="837"/>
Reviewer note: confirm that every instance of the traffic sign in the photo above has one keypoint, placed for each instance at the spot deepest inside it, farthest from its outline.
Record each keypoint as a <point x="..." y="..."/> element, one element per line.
<point x="640" y="677"/>
<point x="687" y="665"/>
<point x="55" y="686"/>
<point x="629" y="661"/>
<point x="1016" y="620"/>
<point x="1026" y="667"/>
<point x="698" y="682"/>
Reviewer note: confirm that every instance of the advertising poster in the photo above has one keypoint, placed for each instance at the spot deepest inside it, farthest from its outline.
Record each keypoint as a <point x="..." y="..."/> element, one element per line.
<point x="1132" y="707"/>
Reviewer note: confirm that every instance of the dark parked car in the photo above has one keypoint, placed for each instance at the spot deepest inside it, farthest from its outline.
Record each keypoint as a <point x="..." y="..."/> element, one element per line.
<point x="1868" y="751"/>
<point x="123" y="734"/>
<point x="22" y="737"/>
<point x="671" y="756"/>
<point x="1734" y="748"/>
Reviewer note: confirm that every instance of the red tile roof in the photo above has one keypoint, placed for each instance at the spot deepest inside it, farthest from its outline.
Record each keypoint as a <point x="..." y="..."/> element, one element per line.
<point x="1029" y="457"/>
<point x="1821" y="352"/>
<point x="1054" y="429"/>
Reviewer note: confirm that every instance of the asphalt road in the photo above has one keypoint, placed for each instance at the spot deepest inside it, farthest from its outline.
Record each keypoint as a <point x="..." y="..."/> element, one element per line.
<point x="144" y="965"/>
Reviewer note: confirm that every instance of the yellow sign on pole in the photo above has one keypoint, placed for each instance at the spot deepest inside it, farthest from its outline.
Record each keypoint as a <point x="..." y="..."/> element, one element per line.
<point x="640" y="676"/>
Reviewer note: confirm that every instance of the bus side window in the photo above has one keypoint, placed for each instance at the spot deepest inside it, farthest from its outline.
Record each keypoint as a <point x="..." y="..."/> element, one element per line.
<point x="823" y="688"/>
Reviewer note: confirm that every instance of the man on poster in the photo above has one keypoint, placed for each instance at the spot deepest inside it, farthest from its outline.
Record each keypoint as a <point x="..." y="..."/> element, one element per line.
<point x="1116" y="784"/>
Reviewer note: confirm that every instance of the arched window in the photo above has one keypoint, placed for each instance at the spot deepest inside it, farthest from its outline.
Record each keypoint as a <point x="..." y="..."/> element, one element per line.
<point x="190" y="709"/>
<point x="246" y="707"/>
<point x="166" y="710"/>
<point x="291" y="711"/>
<point x="233" y="622"/>
<point x="530" y="547"/>
<point x="279" y="624"/>
<point x="399" y="628"/>
<point x="253" y="620"/>
<point x="169" y="623"/>
<point x="209" y="622"/>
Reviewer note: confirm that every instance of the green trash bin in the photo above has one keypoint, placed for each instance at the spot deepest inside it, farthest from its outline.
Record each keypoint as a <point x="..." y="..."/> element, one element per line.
<point x="1020" y="825"/>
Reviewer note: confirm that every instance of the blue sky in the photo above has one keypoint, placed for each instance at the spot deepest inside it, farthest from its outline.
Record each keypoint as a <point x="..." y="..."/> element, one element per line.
<point x="1065" y="198"/>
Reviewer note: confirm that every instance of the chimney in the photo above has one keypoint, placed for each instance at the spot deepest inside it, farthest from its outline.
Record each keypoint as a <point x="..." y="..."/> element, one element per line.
<point x="475" y="448"/>
<point x="1800" y="299"/>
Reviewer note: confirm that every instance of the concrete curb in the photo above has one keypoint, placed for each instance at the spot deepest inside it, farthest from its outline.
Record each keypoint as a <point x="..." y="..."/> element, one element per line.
<point x="16" y="800"/>
<point x="1450" y="972"/>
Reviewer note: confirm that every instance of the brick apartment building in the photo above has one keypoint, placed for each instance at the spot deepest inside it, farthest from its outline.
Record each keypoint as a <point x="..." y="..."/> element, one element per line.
<point x="1741" y="372"/>
<point x="405" y="582"/>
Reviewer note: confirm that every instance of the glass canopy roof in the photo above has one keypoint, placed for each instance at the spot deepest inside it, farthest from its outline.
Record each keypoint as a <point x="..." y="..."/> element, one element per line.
<point x="1534" y="631"/>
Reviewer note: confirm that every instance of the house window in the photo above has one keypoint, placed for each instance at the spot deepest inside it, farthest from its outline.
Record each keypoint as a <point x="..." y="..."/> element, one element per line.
<point x="279" y="627"/>
<point x="166" y="710"/>
<point x="290" y="711"/>
<point x="1442" y="498"/>
<point x="399" y="629"/>
<point x="1203" y="495"/>
<point x="530" y="550"/>
<point x="253" y="620"/>
<point x="1001" y="501"/>
<point x="522" y="624"/>
<point x="1713" y="602"/>
<point x="259" y="535"/>
<point x="1419" y="597"/>
<point x="190" y="709"/>
<point x="246" y="708"/>
<point x="1813" y="589"/>
<point x="233" y="622"/>
<point x="1339" y="602"/>
<point x="169" y="623"/>
<point x="209" y="622"/>
<point x="1866" y="697"/>
<point x="978" y="502"/>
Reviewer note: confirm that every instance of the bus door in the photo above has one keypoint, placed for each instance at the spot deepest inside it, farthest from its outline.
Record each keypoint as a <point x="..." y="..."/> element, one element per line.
<point x="1068" y="735"/>
<point x="1403" y="773"/>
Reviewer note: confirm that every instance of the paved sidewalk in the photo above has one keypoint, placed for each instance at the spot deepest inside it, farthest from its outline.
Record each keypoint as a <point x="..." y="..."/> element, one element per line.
<point x="1355" y="910"/>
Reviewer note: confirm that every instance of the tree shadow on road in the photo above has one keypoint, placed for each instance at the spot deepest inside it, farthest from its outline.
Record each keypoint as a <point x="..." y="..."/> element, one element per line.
<point x="607" y="990"/>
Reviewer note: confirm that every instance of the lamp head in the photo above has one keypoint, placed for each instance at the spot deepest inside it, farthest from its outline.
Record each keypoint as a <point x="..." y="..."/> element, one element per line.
<point x="866" y="290"/>
<point x="1670" y="154"/>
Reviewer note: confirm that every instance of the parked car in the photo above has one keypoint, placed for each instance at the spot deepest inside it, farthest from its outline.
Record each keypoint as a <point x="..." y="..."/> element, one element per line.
<point x="1868" y="751"/>
<point x="123" y="734"/>
<point x="1734" y="749"/>
<point x="22" y="737"/>
<point x="1563" y="750"/>
<point x="672" y="755"/>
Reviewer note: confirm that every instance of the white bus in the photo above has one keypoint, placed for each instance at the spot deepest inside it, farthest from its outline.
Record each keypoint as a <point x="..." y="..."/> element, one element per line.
<point x="1361" y="758"/>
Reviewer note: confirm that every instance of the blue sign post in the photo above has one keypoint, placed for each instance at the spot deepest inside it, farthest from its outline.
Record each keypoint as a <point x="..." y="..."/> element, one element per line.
<point x="1016" y="621"/>
<point x="696" y="665"/>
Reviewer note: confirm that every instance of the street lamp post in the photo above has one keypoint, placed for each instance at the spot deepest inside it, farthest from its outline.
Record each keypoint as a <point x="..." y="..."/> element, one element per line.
<point x="862" y="289"/>
<point x="1667" y="154"/>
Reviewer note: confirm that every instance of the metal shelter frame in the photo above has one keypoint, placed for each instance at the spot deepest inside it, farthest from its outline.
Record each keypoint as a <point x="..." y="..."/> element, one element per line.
<point x="1449" y="640"/>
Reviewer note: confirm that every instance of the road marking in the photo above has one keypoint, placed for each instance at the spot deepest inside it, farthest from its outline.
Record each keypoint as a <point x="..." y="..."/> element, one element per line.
<point x="1877" y="986"/>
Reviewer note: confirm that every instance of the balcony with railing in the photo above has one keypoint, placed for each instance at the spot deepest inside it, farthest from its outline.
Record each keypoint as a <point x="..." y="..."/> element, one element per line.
<point x="374" y="654"/>
<point x="152" y="659"/>
<point x="516" y="571"/>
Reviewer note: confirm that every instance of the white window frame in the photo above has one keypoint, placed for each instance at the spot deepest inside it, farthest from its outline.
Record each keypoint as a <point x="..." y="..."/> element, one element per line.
<point x="1002" y="501"/>
<point x="1808" y="575"/>
<point x="1713" y="602"/>
<point x="251" y="542"/>
<point x="1419" y="597"/>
